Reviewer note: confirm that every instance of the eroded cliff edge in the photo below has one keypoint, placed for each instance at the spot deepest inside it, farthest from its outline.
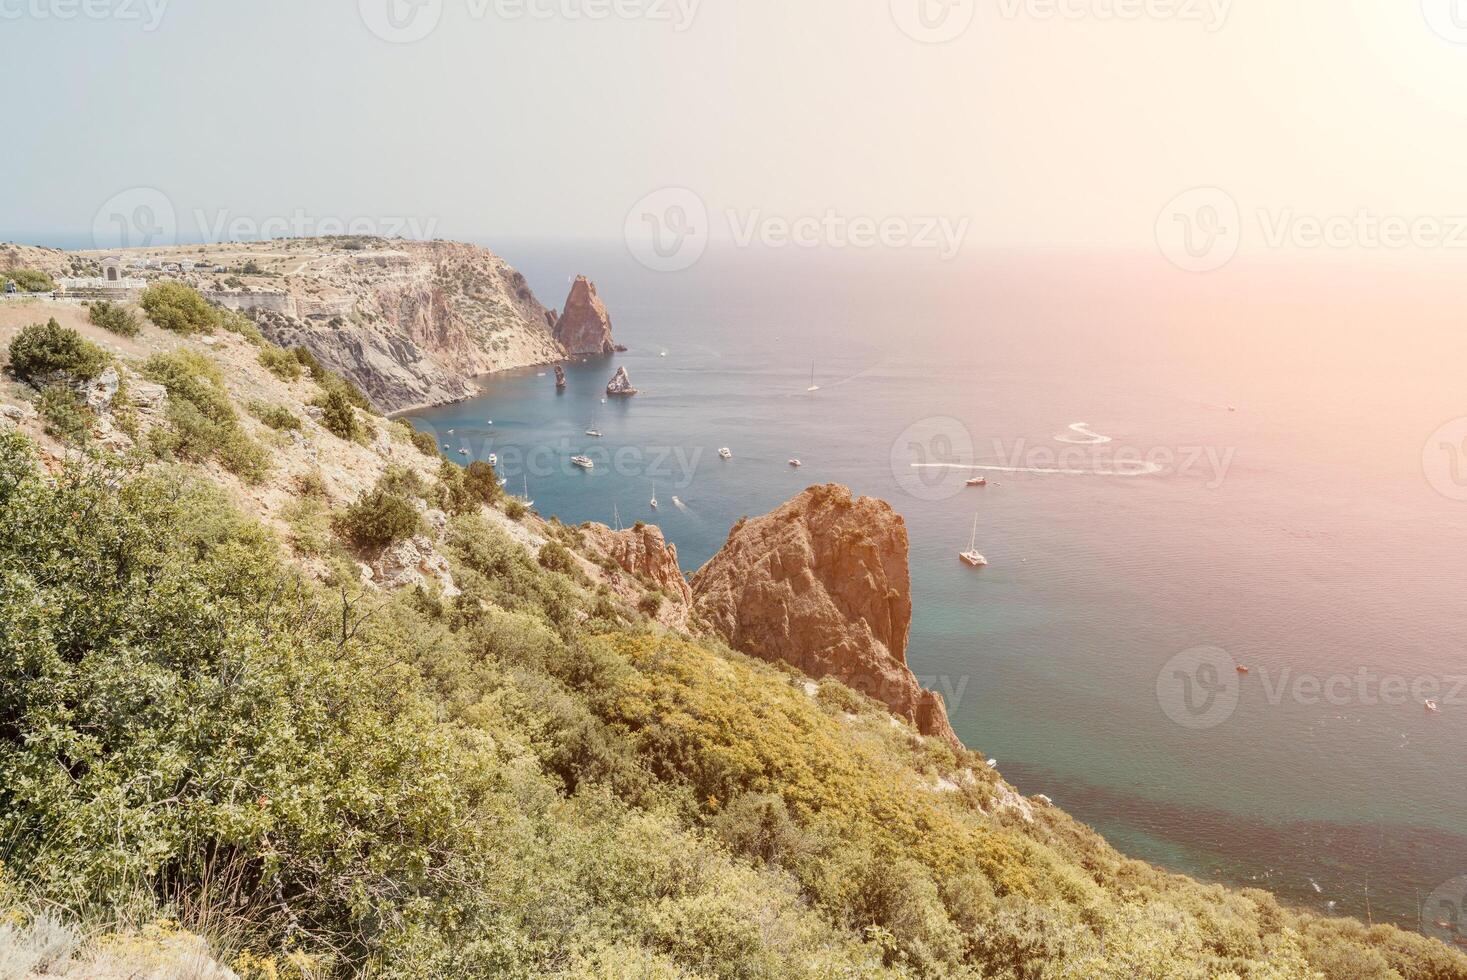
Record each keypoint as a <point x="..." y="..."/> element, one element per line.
<point x="823" y="584"/>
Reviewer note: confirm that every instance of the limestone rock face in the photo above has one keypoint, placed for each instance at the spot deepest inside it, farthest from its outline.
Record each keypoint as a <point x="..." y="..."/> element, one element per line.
<point x="413" y="325"/>
<point x="414" y="562"/>
<point x="585" y="326"/>
<point x="644" y="553"/>
<point x="823" y="584"/>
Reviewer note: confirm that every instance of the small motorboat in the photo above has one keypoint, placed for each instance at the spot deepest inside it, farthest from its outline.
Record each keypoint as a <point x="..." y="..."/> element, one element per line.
<point x="1432" y="706"/>
<point x="593" y="433"/>
<point x="972" y="556"/>
<point x="725" y="453"/>
<point x="1244" y="670"/>
<point x="796" y="463"/>
<point x="584" y="462"/>
<point x="978" y="481"/>
<point x="677" y="502"/>
<point x="663" y="354"/>
<point x="463" y="452"/>
<point x="450" y="432"/>
<point x="488" y="421"/>
<point x="493" y="459"/>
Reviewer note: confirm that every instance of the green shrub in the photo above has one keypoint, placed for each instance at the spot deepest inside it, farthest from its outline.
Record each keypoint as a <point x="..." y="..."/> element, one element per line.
<point x="65" y="415"/>
<point x="379" y="518"/>
<point x="114" y="317"/>
<point x="425" y="443"/>
<point x="174" y="306"/>
<point x="483" y="482"/>
<point x="43" y="349"/>
<point x="339" y="415"/>
<point x="203" y="423"/>
<point x="277" y="417"/>
<point x="29" y="280"/>
<point x="515" y="509"/>
<point x="237" y="323"/>
<point x="650" y="604"/>
<point x="555" y="557"/>
<point x="281" y="363"/>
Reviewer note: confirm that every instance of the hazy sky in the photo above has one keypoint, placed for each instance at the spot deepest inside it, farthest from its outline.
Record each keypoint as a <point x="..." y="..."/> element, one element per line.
<point x="1043" y="122"/>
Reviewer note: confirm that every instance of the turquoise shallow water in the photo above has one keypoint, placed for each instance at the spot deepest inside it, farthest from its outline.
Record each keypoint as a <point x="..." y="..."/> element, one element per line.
<point x="1296" y="532"/>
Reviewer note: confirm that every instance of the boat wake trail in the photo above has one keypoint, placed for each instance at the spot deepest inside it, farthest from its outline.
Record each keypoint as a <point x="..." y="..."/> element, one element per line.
<point x="1087" y="437"/>
<point x="1126" y="468"/>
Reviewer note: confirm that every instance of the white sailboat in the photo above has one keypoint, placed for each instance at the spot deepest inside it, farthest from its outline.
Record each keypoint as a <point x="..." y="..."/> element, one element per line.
<point x="654" y="496"/>
<point x="593" y="431"/>
<point x="526" y="498"/>
<point x="616" y="517"/>
<point x="972" y="556"/>
<point x="813" y="385"/>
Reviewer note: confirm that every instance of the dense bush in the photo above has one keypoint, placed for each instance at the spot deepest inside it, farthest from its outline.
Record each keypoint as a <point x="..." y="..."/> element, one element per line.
<point x="483" y="482"/>
<point x="43" y="349"/>
<point x="65" y="415"/>
<point x="236" y="322"/>
<point x="28" y="280"/>
<point x="277" y="417"/>
<point x="425" y="443"/>
<point x="281" y="363"/>
<point x="555" y="557"/>
<point x="380" y="517"/>
<point x="114" y="317"/>
<point x="174" y="306"/>
<point x="339" y="415"/>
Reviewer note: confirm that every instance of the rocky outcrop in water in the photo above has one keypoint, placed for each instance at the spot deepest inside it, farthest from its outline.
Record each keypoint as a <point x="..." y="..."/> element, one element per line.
<point x="823" y="584"/>
<point x="620" y="384"/>
<point x="585" y="326"/>
<point x="560" y="381"/>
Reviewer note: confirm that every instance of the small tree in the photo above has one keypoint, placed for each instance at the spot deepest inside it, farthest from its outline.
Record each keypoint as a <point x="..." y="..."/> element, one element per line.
<point x="49" y="348"/>
<point x="339" y="415"/>
<point x="483" y="482"/>
<point x="380" y="518"/>
<point x="114" y="317"/>
<point x="174" y="306"/>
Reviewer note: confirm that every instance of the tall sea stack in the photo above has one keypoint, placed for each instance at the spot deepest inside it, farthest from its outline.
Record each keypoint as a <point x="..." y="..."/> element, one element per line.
<point x="585" y="326"/>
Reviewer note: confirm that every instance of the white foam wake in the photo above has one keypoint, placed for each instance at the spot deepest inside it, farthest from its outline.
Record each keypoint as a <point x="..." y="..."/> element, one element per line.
<point x="1121" y="468"/>
<point x="1088" y="437"/>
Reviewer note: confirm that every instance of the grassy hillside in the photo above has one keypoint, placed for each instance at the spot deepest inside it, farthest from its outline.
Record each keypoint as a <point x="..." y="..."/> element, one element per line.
<point x="211" y="725"/>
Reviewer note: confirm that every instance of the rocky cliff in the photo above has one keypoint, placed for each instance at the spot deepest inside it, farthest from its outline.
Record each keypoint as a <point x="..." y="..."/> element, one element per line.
<point x="585" y="326"/>
<point x="651" y="563"/>
<point x="412" y="323"/>
<point x="822" y="583"/>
